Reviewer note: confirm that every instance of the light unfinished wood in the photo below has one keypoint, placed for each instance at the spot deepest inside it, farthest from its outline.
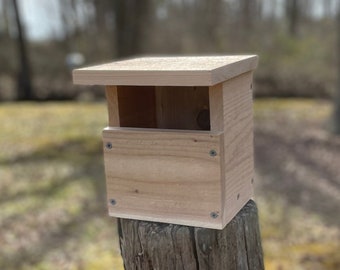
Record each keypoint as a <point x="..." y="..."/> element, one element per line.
<point x="167" y="71"/>
<point x="137" y="106"/>
<point x="238" y="144"/>
<point x="217" y="125"/>
<point x="166" y="176"/>
<point x="112" y="105"/>
<point x="216" y="107"/>
<point x="230" y="105"/>
<point x="158" y="167"/>
<point x="179" y="107"/>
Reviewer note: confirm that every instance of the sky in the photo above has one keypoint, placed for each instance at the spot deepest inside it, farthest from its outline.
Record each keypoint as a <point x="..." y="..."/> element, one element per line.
<point x="41" y="18"/>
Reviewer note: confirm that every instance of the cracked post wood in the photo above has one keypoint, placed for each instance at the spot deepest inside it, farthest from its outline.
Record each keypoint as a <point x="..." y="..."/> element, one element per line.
<point x="151" y="246"/>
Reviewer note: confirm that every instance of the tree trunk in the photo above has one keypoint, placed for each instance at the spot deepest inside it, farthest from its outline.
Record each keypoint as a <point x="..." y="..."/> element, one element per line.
<point x="148" y="245"/>
<point x="131" y="18"/>
<point x="293" y="14"/>
<point x="4" y="20"/>
<point x="207" y="15"/>
<point x="24" y="76"/>
<point x="245" y="11"/>
<point x="337" y="94"/>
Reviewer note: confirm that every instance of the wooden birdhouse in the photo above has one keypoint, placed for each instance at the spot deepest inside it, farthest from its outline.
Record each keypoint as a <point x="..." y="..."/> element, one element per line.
<point x="179" y="144"/>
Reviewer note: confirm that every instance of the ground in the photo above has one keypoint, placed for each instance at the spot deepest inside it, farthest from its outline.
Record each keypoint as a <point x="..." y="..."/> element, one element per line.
<point x="52" y="191"/>
<point x="298" y="184"/>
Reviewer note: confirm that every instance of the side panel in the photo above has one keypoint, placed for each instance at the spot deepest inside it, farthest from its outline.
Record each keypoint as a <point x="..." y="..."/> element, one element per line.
<point x="111" y="93"/>
<point x="238" y="143"/>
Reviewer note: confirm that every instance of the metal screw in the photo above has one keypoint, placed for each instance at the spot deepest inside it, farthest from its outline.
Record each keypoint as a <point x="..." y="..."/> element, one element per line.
<point x="252" y="181"/>
<point x="238" y="196"/>
<point x="214" y="215"/>
<point x="108" y="145"/>
<point x="113" y="202"/>
<point x="213" y="153"/>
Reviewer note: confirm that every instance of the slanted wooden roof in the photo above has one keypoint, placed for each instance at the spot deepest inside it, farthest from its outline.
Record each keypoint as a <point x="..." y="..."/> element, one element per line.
<point x="167" y="71"/>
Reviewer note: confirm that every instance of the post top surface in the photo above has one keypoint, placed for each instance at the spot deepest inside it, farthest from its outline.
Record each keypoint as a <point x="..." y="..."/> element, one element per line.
<point x="171" y="71"/>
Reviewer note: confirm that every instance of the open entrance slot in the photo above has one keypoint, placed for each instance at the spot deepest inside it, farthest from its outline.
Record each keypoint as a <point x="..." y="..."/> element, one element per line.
<point x="164" y="107"/>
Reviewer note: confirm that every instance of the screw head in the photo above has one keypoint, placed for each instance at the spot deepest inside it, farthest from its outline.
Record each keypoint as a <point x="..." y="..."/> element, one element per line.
<point x="108" y="145"/>
<point x="213" y="153"/>
<point x="214" y="215"/>
<point x="113" y="202"/>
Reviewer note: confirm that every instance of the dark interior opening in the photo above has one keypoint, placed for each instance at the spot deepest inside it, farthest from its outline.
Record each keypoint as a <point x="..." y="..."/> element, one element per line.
<point x="165" y="107"/>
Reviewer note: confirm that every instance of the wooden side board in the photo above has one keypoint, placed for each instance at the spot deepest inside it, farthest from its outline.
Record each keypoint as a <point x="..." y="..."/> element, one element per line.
<point x="238" y="143"/>
<point x="165" y="176"/>
<point x="111" y="93"/>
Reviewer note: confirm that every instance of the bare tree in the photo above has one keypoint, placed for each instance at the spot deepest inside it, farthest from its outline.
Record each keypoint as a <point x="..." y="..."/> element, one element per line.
<point x="205" y="22"/>
<point x="337" y="96"/>
<point x="248" y="11"/>
<point x="102" y="8"/>
<point x="70" y="24"/>
<point x="24" y="76"/>
<point x="4" y="27"/>
<point x="131" y="18"/>
<point x="293" y="16"/>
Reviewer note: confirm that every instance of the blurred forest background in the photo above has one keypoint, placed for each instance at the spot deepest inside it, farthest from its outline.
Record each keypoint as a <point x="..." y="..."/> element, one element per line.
<point x="52" y="187"/>
<point x="295" y="39"/>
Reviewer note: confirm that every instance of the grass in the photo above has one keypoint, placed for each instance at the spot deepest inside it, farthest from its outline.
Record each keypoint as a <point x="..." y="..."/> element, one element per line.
<point x="298" y="184"/>
<point x="52" y="191"/>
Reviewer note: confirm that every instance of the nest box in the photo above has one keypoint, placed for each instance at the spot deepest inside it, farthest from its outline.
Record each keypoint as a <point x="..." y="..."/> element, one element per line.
<point x="179" y="144"/>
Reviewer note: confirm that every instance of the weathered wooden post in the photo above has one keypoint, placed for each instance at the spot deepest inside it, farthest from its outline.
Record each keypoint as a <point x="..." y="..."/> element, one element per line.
<point x="179" y="150"/>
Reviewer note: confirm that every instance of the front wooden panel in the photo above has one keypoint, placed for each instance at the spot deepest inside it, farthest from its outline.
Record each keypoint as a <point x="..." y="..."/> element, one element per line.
<point x="164" y="176"/>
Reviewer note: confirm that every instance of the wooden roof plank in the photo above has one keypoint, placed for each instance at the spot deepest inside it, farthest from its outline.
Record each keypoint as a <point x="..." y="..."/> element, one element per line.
<point x="167" y="71"/>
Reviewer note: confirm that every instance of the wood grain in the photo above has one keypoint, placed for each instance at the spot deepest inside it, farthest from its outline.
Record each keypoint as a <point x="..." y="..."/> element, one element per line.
<point x="238" y="144"/>
<point x="164" y="176"/>
<point x="140" y="155"/>
<point x="178" y="107"/>
<point x="216" y="107"/>
<point x="148" y="245"/>
<point x="161" y="175"/>
<point x="137" y="107"/>
<point x="167" y="71"/>
<point x="112" y="105"/>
